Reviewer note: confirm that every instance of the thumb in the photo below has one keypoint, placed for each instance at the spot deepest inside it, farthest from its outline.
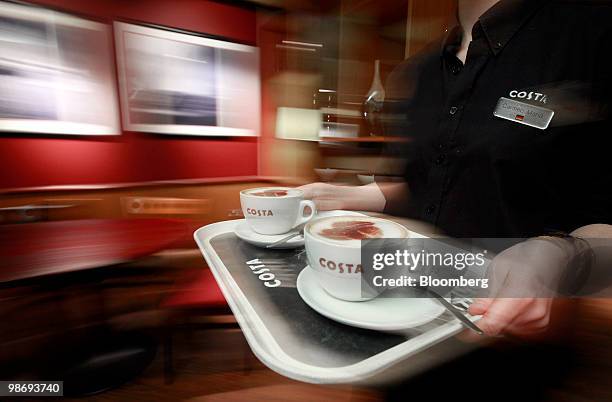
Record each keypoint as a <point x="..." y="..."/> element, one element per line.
<point x="480" y="306"/>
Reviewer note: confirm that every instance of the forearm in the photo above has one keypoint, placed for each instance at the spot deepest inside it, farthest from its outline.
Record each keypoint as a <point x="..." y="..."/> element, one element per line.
<point x="598" y="276"/>
<point x="595" y="231"/>
<point x="368" y="197"/>
<point x="391" y="198"/>
<point x="599" y="239"/>
<point x="374" y="197"/>
<point x="397" y="197"/>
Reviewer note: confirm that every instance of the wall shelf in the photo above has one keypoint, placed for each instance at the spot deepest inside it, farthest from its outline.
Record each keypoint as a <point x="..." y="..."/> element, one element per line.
<point x="365" y="139"/>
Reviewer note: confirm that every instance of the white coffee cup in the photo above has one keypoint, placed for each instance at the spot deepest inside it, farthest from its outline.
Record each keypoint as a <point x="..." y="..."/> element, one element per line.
<point x="275" y="210"/>
<point x="335" y="256"/>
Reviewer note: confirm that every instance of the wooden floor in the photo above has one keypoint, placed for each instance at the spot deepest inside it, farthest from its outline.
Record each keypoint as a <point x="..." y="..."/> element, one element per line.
<point x="216" y="365"/>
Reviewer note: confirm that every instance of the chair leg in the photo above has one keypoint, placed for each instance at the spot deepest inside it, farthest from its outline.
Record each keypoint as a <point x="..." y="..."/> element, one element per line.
<point x="246" y="360"/>
<point x="168" y="366"/>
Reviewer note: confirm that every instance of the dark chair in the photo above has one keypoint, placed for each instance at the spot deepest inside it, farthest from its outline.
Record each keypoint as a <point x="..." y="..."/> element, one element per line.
<point x="198" y="296"/>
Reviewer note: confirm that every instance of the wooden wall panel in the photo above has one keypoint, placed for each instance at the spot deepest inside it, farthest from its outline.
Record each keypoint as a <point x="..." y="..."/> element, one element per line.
<point x="428" y="20"/>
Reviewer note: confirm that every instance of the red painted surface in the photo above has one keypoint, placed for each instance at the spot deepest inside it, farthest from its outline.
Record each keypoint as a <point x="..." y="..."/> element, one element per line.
<point x="48" y="248"/>
<point x="33" y="160"/>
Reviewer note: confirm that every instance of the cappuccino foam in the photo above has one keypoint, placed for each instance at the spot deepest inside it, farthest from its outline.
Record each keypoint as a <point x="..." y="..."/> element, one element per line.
<point x="353" y="229"/>
<point x="273" y="192"/>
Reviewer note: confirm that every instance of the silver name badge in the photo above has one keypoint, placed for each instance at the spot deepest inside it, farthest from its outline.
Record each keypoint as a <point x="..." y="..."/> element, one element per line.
<point x="523" y="113"/>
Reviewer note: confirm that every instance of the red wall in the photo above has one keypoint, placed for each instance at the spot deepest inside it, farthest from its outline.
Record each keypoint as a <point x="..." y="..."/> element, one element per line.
<point x="34" y="160"/>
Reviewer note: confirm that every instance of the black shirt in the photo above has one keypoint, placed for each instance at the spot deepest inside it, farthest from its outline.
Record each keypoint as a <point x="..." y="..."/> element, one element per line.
<point x="476" y="175"/>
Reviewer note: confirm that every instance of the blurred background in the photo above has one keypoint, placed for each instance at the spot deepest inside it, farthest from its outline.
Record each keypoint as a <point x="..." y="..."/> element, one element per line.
<point x="126" y="125"/>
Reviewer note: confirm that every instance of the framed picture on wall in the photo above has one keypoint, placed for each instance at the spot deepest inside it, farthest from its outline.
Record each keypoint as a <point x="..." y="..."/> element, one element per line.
<point x="173" y="82"/>
<point x="56" y="73"/>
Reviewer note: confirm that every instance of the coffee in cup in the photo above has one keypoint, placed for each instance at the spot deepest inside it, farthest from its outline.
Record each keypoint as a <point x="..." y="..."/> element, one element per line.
<point x="275" y="210"/>
<point x="333" y="247"/>
<point x="270" y="193"/>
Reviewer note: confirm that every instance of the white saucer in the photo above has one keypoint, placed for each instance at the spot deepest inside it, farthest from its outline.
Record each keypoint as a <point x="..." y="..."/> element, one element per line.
<point x="382" y="314"/>
<point x="244" y="232"/>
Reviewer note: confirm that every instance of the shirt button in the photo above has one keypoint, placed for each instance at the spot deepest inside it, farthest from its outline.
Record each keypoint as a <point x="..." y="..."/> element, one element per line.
<point x="430" y="209"/>
<point x="455" y="69"/>
<point x="453" y="110"/>
<point x="440" y="159"/>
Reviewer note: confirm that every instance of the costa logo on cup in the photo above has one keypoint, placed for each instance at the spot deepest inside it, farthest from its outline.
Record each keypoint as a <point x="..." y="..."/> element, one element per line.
<point x="340" y="267"/>
<point x="259" y="212"/>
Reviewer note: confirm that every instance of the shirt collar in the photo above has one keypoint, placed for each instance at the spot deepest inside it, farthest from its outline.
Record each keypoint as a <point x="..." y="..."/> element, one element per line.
<point x="505" y="18"/>
<point x="499" y="24"/>
<point x="452" y="40"/>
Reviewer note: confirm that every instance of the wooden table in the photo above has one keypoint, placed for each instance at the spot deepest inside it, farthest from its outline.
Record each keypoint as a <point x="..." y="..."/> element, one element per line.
<point x="38" y="249"/>
<point x="53" y="254"/>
